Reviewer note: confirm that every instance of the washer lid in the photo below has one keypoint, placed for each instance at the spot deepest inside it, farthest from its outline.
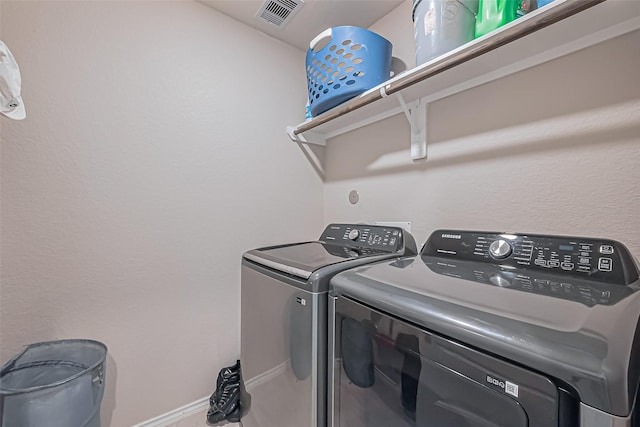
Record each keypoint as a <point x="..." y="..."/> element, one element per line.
<point x="302" y="259"/>
<point x="338" y="243"/>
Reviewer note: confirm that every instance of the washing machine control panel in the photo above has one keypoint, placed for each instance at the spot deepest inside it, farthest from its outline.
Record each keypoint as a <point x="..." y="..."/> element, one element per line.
<point x="368" y="237"/>
<point x="597" y="259"/>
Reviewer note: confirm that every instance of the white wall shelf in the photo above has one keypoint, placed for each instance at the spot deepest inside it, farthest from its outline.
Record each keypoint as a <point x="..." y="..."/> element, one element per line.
<point x="559" y="29"/>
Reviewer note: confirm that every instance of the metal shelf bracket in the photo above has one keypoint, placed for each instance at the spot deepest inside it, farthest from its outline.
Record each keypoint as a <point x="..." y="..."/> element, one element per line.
<point x="308" y="137"/>
<point x="416" y="114"/>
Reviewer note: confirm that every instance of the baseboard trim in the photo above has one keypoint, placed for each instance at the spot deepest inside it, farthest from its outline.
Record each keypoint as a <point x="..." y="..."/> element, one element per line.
<point x="266" y="376"/>
<point x="200" y="405"/>
<point x="177" y="414"/>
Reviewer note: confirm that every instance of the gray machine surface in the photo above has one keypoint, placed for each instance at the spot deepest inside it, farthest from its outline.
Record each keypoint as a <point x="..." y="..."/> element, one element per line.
<point x="284" y="318"/>
<point x="482" y="329"/>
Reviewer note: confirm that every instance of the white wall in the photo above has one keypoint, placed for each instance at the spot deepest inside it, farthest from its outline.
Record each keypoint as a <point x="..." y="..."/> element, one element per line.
<point x="152" y="156"/>
<point x="554" y="149"/>
<point x="397" y="27"/>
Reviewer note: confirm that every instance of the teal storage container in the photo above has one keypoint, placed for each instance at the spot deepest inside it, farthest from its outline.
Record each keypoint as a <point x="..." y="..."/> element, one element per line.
<point x="442" y="25"/>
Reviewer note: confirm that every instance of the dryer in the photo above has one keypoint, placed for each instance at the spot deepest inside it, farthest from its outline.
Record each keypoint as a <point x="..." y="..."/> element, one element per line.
<point x="488" y="329"/>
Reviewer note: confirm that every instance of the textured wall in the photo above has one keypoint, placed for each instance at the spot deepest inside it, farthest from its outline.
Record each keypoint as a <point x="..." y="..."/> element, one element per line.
<point x="152" y="156"/>
<point x="554" y="149"/>
<point x="397" y="27"/>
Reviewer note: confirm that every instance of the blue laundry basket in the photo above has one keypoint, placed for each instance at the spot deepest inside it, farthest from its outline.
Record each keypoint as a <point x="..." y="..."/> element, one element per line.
<point x="343" y="62"/>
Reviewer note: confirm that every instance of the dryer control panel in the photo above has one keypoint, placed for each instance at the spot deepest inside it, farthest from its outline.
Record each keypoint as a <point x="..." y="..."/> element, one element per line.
<point x="380" y="238"/>
<point x="588" y="258"/>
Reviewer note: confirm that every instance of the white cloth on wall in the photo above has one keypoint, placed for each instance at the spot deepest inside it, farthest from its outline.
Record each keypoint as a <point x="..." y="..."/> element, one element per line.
<point x="11" y="104"/>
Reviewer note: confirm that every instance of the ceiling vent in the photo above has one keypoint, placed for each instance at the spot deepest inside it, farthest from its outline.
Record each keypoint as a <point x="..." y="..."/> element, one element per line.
<point x="279" y="12"/>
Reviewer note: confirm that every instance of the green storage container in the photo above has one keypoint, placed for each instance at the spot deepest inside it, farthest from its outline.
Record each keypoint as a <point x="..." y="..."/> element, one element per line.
<point x="493" y="14"/>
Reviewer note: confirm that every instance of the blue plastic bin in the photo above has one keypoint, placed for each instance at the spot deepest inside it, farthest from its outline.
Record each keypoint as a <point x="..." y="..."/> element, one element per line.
<point x="343" y="62"/>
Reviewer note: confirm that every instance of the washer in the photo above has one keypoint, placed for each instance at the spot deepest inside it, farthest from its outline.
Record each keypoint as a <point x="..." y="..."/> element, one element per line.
<point x="284" y="318"/>
<point x="488" y="329"/>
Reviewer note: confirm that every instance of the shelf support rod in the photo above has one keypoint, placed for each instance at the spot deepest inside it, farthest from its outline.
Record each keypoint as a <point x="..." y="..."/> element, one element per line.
<point x="417" y="116"/>
<point x="308" y="137"/>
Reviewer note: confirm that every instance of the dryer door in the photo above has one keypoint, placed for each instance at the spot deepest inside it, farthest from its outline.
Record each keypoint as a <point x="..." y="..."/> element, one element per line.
<point x="390" y="373"/>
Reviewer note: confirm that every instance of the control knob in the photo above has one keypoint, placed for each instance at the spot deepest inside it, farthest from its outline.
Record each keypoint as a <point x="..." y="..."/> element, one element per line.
<point x="500" y="249"/>
<point x="354" y="234"/>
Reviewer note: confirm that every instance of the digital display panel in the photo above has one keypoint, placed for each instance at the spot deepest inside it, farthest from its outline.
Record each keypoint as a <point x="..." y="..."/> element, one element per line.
<point x="566" y="247"/>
